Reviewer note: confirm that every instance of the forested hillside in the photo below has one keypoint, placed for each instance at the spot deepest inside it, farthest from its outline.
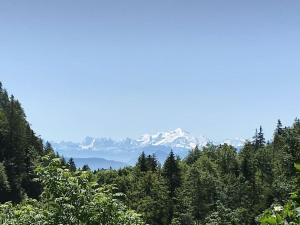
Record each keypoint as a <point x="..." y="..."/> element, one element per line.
<point x="215" y="185"/>
<point x="19" y="149"/>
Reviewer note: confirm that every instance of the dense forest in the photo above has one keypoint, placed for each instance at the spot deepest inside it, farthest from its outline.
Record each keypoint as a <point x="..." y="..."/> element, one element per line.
<point x="19" y="149"/>
<point x="214" y="185"/>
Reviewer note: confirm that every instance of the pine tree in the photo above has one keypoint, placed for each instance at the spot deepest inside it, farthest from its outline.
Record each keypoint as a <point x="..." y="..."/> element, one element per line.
<point x="247" y="162"/>
<point x="255" y="139"/>
<point x="193" y="155"/>
<point x="261" y="138"/>
<point x="71" y="165"/>
<point x="142" y="164"/>
<point x="296" y="122"/>
<point x="279" y="128"/>
<point x="172" y="173"/>
<point x="151" y="163"/>
<point x="63" y="161"/>
<point x="48" y="149"/>
<point x="86" y="168"/>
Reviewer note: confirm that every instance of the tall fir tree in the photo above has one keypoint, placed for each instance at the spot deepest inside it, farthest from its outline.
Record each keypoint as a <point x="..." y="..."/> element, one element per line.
<point x="151" y="163"/>
<point x="86" y="168"/>
<point x="193" y="155"/>
<point x="142" y="164"/>
<point x="172" y="173"/>
<point x="71" y="165"/>
<point x="259" y="139"/>
<point x="279" y="129"/>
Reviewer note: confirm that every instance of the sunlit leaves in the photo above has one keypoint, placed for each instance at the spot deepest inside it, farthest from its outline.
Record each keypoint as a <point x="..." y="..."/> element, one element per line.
<point x="69" y="199"/>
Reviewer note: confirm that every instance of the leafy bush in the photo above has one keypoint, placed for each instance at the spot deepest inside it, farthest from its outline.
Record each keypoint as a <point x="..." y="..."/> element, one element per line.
<point x="287" y="214"/>
<point x="68" y="199"/>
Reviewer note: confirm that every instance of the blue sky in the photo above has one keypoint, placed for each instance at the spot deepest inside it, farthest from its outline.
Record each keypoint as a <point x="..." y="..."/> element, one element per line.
<point x="124" y="68"/>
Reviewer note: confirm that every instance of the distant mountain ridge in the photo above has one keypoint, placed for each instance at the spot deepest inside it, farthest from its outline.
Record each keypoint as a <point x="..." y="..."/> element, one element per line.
<point x="178" y="138"/>
<point x="127" y="150"/>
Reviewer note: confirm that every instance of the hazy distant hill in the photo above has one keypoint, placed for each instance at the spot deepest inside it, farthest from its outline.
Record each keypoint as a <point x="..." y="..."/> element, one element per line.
<point x="98" y="163"/>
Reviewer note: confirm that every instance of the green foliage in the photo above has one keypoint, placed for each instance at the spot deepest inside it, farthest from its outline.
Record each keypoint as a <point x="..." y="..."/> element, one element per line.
<point x="149" y="197"/>
<point x="70" y="199"/>
<point x="224" y="216"/>
<point x="201" y="187"/>
<point x="287" y="214"/>
<point x="4" y="184"/>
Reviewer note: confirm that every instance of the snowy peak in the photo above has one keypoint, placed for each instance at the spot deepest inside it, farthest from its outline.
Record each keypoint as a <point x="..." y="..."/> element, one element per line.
<point x="236" y="142"/>
<point x="177" y="138"/>
<point x="88" y="143"/>
<point x="127" y="150"/>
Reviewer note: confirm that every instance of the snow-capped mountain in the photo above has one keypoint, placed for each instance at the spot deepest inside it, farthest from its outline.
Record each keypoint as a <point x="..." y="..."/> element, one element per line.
<point x="236" y="142"/>
<point x="174" y="139"/>
<point x="127" y="150"/>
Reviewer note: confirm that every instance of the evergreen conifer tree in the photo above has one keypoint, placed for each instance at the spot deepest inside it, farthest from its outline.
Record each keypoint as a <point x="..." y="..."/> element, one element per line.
<point x="172" y="173"/>
<point x="279" y="128"/>
<point x="86" y="168"/>
<point x="142" y="164"/>
<point x="261" y="138"/>
<point x="71" y="165"/>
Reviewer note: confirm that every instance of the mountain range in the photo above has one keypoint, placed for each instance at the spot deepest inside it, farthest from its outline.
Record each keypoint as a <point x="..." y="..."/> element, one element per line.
<point x="106" y="152"/>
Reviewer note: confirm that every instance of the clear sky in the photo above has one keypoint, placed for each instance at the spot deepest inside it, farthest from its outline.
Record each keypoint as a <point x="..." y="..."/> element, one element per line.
<point x="128" y="67"/>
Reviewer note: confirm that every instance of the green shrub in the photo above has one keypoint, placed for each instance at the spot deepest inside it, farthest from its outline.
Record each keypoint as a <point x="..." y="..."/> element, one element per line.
<point x="68" y="198"/>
